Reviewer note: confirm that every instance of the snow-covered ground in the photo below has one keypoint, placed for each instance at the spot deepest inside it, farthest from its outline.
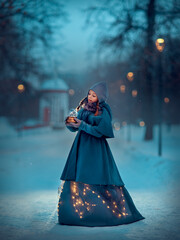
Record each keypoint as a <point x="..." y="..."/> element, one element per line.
<point x="31" y="165"/>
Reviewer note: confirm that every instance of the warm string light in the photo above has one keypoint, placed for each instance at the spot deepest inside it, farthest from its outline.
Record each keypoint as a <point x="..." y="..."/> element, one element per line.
<point x="78" y="201"/>
<point x="119" y="213"/>
<point x="103" y="201"/>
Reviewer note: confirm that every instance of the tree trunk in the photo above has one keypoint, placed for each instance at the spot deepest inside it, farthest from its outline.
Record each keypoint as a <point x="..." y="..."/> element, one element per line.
<point x="148" y="94"/>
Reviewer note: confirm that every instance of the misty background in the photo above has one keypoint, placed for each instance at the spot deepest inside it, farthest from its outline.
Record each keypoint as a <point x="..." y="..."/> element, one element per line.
<point x="51" y="52"/>
<point x="83" y="43"/>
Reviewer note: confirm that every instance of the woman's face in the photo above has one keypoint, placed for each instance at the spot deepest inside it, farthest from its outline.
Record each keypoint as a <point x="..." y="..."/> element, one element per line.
<point x="92" y="97"/>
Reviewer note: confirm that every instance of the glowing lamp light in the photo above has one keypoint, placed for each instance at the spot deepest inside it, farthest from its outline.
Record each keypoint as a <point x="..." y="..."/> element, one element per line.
<point x="21" y="88"/>
<point x="71" y="92"/>
<point x="122" y="88"/>
<point x="160" y="44"/>
<point x="166" y="100"/>
<point x="142" y="124"/>
<point x="130" y="76"/>
<point x="134" y="93"/>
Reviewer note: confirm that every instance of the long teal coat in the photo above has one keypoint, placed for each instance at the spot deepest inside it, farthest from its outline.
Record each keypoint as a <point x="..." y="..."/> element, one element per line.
<point x="90" y="159"/>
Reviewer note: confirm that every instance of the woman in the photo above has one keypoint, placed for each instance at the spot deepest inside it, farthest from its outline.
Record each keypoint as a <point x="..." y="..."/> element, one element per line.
<point x="92" y="191"/>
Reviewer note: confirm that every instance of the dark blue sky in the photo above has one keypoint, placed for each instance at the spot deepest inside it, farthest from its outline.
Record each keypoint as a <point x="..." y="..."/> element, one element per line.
<point x="76" y="39"/>
<point x="79" y="40"/>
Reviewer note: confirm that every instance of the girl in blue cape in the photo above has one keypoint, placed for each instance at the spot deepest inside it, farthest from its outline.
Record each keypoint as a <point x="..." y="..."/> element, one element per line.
<point x="92" y="192"/>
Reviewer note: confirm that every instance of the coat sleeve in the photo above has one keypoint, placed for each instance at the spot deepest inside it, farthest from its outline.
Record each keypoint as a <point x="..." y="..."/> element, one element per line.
<point x="73" y="129"/>
<point x="103" y="129"/>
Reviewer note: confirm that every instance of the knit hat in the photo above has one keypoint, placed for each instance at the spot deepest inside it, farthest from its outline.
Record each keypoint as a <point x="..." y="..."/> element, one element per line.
<point x="101" y="90"/>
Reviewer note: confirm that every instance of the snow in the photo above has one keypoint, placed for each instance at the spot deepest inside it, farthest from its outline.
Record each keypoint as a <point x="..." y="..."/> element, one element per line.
<point x="54" y="84"/>
<point x="5" y="128"/>
<point x="31" y="165"/>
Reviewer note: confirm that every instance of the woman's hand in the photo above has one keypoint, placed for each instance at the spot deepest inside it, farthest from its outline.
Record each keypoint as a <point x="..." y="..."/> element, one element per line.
<point x="76" y="125"/>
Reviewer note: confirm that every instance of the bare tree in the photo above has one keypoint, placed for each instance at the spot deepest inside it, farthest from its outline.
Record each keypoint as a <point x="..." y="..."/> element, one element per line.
<point x="25" y="26"/>
<point x="121" y="22"/>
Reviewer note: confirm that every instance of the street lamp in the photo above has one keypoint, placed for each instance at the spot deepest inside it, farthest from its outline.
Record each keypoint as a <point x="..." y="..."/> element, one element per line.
<point x="122" y="88"/>
<point x="134" y="93"/>
<point x="21" y="90"/>
<point x="160" y="44"/>
<point x="71" y="92"/>
<point x="166" y="100"/>
<point x="130" y="76"/>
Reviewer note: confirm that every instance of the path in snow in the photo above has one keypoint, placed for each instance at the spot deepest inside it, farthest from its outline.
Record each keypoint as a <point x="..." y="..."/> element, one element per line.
<point x="31" y="166"/>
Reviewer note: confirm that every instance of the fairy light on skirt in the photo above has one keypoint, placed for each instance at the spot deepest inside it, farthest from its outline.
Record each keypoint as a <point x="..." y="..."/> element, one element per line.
<point x="81" y="205"/>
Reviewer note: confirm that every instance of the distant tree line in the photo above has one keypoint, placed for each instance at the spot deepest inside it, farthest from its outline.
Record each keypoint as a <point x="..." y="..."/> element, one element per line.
<point x="122" y="26"/>
<point x="26" y="45"/>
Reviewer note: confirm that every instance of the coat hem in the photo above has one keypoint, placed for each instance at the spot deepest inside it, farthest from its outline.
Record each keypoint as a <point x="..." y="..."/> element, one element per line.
<point x="99" y="184"/>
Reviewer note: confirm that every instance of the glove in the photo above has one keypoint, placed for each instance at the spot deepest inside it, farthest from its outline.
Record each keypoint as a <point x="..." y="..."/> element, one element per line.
<point x="76" y="125"/>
